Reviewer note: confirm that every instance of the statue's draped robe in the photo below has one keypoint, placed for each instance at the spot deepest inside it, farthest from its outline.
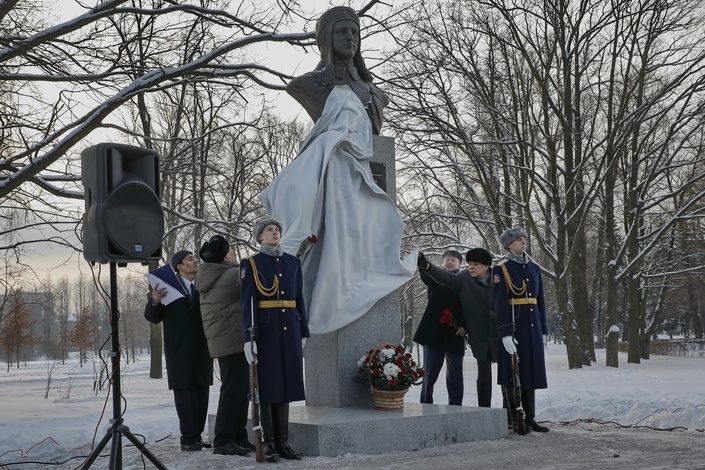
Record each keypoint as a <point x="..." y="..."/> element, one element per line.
<point x="328" y="191"/>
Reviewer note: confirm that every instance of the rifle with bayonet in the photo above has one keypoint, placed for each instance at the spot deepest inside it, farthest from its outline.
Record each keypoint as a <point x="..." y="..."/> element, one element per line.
<point x="254" y="391"/>
<point x="520" y="424"/>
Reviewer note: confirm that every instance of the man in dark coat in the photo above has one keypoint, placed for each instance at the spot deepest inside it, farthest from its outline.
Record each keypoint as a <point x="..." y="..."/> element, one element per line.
<point x="272" y="298"/>
<point x="441" y="332"/>
<point x="218" y="284"/>
<point x="521" y="320"/>
<point x="189" y="367"/>
<point x="474" y="289"/>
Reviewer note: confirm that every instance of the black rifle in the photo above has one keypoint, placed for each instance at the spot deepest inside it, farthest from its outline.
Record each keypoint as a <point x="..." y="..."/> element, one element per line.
<point x="254" y="391"/>
<point x="519" y="425"/>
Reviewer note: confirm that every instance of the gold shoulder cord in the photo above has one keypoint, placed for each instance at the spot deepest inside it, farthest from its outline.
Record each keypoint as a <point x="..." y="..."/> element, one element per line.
<point x="267" y="292"/>
<point x="519" y="292"/>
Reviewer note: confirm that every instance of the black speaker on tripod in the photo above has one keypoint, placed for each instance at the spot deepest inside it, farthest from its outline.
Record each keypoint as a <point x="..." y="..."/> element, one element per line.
<point x="123" y="222"/>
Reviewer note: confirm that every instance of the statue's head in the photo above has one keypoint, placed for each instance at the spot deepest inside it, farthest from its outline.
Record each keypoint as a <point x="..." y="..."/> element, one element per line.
<point x="346" y="20"/>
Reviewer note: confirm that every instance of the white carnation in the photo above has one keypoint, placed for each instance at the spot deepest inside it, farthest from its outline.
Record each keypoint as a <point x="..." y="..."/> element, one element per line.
<point x="387" y="353"/>
<point x="391" y="371"/>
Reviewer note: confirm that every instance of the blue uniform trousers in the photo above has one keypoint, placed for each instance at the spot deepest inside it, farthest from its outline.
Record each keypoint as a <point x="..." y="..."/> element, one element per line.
<point x="433" y="361"/>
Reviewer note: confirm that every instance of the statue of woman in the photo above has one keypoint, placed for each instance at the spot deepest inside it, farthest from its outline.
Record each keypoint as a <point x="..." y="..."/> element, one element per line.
<point x="328" y="193"/>
<point x="338" y="37"/>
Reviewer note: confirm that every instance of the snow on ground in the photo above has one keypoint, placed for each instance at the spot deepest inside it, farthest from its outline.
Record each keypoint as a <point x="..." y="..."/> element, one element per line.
<point x="663" y="392"/>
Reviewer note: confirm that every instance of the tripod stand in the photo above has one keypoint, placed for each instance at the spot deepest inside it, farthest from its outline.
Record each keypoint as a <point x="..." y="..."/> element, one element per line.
<point x="117" y="428"/>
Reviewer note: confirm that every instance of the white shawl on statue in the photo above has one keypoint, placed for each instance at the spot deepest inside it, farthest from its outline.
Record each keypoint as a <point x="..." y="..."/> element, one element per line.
<point x="328" y="191"/>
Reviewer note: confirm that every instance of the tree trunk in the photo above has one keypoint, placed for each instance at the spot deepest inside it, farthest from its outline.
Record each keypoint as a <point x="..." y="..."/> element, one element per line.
<point x="694" y="308"/>
<point x="597" y="287"/>
<point x="633" y="321"/>
<point x="645" y="334"/>
<point x="155" y="348"/>
<point x="570" y="331"/>
<point x="612" y="333"/>
<point x="612" y="348"/>
<point x="581" y="301"/>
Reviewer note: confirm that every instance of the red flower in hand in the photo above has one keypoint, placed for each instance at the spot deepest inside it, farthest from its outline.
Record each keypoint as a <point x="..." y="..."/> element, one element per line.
<point x="447" y="318"/>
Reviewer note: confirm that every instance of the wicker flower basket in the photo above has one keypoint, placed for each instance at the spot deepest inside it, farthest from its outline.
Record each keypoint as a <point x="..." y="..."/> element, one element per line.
<point x="389" y="400"/>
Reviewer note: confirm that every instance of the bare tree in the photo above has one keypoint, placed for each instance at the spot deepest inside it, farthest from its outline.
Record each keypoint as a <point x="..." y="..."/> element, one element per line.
<point x="50" y="373"/>
<point x="15" y="331"/>
<point x="82" y="335"/>
<point x="64" y="84"/>
<point x="524" y="113"/>
<point x="62" y="315"/>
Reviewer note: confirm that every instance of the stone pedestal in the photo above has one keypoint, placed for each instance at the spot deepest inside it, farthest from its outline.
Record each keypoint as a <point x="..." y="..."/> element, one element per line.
<point x="330" y="360"/>
<point x="329" y="432"/>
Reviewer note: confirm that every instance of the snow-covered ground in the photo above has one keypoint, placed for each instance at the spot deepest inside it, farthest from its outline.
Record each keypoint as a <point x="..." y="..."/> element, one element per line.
<point x="663" y="392"/>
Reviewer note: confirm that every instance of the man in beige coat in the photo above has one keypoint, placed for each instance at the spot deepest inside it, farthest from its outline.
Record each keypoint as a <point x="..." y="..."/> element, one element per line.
<point x="218" y="282"/>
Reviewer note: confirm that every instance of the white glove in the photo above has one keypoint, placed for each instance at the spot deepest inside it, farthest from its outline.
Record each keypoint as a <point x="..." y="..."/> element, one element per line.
<point x="303" y="343"/>
<point x="545" y="340"/>
<point x="250" y="347"/>
<point x="509" y="344"/>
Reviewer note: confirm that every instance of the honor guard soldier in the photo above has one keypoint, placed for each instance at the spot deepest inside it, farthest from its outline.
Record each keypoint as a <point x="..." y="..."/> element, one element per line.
<point x="272" y="297"/>
<point x="521" y="320"/>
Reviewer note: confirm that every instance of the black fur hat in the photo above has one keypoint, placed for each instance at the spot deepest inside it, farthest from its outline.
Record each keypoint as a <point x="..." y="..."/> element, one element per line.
<point x="214" y="250"/>
<point x="479" y="255"/>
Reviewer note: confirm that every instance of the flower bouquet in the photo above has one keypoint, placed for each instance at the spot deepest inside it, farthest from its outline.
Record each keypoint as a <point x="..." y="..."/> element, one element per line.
<point x="390" y="371"/>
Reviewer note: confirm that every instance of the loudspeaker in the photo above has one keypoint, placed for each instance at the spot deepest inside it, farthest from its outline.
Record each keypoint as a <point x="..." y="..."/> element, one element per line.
<point x="123" y="222"/>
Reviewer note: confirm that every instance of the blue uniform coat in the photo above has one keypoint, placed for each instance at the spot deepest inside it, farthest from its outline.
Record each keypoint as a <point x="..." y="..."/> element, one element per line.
<point x="530" y="322"/>
<point x="279" y="330"/>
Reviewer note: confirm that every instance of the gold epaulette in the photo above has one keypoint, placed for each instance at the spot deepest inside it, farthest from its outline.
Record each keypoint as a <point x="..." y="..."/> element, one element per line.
<point x="512" y="290"/>
<point x="501" y="262"/>
<point x="265" y="291"/>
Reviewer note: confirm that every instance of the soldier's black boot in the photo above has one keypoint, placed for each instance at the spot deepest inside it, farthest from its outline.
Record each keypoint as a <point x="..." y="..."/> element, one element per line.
<point x="267" y="423"/>
<point x="528" y="399"/>
<point x="280" y="412"/>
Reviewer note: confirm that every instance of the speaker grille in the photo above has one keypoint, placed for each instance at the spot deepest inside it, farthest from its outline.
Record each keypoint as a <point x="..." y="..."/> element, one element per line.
<point x="134" y="220"/>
